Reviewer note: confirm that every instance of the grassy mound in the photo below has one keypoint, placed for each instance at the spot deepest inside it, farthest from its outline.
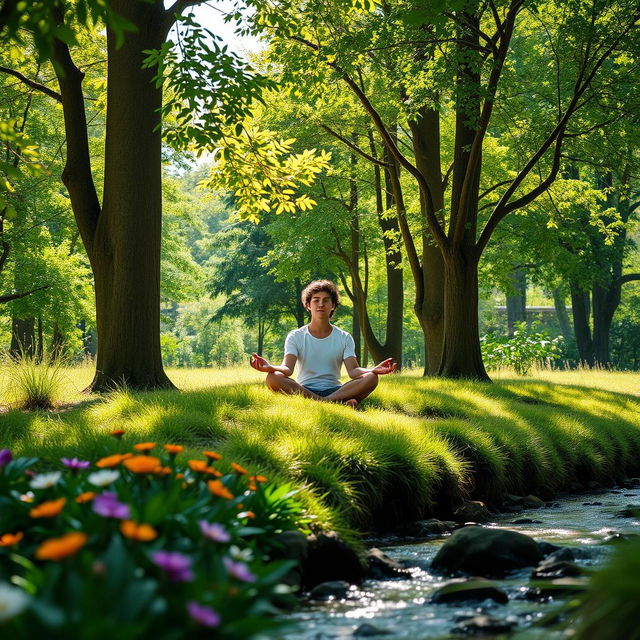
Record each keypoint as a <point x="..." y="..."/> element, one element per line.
<point x="418" y="446"/>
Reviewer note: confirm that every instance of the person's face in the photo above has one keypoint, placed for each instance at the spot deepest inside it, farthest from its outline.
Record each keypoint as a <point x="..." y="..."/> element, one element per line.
<point x="321" y="305"/>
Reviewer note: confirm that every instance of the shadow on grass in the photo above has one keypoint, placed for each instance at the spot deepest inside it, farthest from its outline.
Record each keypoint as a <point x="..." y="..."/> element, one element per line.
<point x="416" y="449"/>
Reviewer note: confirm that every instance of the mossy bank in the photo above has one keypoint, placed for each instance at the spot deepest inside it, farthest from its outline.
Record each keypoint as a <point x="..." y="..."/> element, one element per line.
<point x="418" y="447"/>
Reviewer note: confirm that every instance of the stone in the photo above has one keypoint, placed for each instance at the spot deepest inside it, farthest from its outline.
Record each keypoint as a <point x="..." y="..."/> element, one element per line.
<point x="381" y="566"/>
<point x="432" y="527"/>
<point x="592" y="504"/>
<point x="366" y="630"/>
<point x="526" y="521"/>
<point x="563" y="554"/>
<point x="472" y="511"/>
<point x="630" y="511"/>
<point x="333" y="590"/>
<point x="547" y="547"/>
<point x="553" y="570"/>
<point x="291" y="545"/>
<point x="481" y="625"/>
<point x="516" y="500"/>
<point x="472" y="590"/>
<point x="559" y="588"/>
<point x="329" y="558"/>
<point x="532" y="502"/>
<point x="486" y="552"/>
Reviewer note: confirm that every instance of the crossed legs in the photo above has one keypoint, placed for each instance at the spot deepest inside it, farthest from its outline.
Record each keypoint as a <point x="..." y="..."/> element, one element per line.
<point x="349" y="393"/>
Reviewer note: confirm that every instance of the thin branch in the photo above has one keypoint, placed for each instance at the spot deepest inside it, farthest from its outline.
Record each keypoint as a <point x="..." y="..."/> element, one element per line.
<point x="17" y="296"/>
<point x="32" y="83"/>
<point x="493" y="188"/>
<point x="353" y="146"/>
<point x="629" y="277"/>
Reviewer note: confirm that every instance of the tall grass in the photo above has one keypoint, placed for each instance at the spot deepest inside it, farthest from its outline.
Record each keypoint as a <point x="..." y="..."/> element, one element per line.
<point x="416" y="449"/>
<point x="34" y="382"/>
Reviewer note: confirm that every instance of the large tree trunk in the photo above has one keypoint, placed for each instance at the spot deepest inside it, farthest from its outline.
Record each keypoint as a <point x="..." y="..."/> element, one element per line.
<point x="582" y="330"/>
<point x="125" y="253"/>
<point x="461" y="357"/>
<point x="516" y="299"/>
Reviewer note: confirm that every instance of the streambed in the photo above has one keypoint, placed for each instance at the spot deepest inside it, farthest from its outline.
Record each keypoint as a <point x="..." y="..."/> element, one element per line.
<point x="401" y="607"/>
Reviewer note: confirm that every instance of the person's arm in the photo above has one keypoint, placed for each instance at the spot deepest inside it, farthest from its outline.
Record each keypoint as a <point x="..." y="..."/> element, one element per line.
<point x="261" y="364"/>
<point x="355" y="370"/>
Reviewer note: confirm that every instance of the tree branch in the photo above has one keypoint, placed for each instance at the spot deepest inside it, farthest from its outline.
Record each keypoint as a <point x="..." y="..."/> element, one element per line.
<point x="17" y="296"/>
<point x="32" y="83"/>
<point x="353" y="146"/>
<point x="629" y="277"/>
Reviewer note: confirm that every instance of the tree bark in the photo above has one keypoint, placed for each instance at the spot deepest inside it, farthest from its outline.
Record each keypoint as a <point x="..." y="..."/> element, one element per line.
<point x="581" y="328"/>
<point x="461" y="356"/>
<point x="429" y="301"/>
<point x="125" y="248"/>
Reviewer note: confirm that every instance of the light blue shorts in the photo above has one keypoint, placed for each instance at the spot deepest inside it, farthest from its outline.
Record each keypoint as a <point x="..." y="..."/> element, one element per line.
<point x="323" y="393"/>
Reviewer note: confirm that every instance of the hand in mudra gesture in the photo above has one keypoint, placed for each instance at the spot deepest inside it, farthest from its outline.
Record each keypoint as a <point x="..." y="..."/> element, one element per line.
<point x="386" y="366"/>
<point x="260" y="364"/>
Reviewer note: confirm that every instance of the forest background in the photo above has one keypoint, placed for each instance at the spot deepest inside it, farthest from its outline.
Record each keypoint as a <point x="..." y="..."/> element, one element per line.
<point x="566" y="264"/>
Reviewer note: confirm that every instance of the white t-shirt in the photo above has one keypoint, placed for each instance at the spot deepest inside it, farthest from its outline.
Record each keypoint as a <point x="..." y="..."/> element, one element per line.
<point x="319" y="359"/>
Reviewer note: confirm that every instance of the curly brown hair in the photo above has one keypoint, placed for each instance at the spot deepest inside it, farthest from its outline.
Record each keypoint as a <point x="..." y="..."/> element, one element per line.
<point x="316" y="287"/>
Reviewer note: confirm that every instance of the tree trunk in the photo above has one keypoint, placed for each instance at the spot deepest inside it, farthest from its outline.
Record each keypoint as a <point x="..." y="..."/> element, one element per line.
<point x="516" y="299"/>
<point x="605" y="303"/>
<point x="57" y="341"/>
<point x="300" y="311"/>
<point x="563" y="316"/>
<point x="582" y="330"/>
<point x="429" y="302"/>
<point x="40" y="343"/>
<point x="23" y="337"/>
<point x="125" y="253"/>
<point x="261" y="332"/>
<point x="461" y="357"/>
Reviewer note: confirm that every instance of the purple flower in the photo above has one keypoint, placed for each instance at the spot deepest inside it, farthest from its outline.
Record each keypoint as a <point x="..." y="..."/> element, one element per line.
<point x="5" y="457"/>
<point x="176" y="565"/>
<point x="205" y="616"/>
<point x="238" y="570"/>
<point x="74" y="464"/>
<point x="214" y="531"/>
<point x="107" y="505"/>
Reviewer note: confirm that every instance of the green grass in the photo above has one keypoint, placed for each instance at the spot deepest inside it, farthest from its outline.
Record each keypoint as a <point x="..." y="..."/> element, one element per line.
<point x="417" y="448"/>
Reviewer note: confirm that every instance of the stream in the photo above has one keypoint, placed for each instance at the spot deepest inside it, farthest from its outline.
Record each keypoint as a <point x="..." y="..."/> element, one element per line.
<point x="401" y="608"/>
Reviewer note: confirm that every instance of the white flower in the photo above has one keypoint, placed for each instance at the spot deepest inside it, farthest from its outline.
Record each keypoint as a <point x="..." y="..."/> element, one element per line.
<point x="103" y="478"/>
<point x="45" y="480"/>
<point x="13" y="601"/>
<point x="243" y="555"/>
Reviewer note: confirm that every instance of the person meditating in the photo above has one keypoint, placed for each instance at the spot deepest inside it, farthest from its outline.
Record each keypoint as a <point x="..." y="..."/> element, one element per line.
<point x="320" y="348"/>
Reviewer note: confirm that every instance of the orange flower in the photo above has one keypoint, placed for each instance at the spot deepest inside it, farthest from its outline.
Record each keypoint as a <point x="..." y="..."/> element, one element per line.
<point x="247" y="514"/>
<point x="163" y="471"/>
<point x="253" y="486"/>
<point x="241" y="470"/>
<point x="113" y="460"/>
<point x="136" y="531"/>
<point x="48" y="509"/>
<point x="58" y="548"/>
<point x="174" y="449"/>
<point x="87" y="496"/>
<point x="212" y="455"/>
<point x="118" y="433"/>
<point x="179" y="476"/>
<point x="144" y="446"/>
<point x="9" y="539"/>
<point x="257" y="478"/>
<point x="143" y="464"/>
<point x="218" y="489"/>
<point x="199" y="466"/>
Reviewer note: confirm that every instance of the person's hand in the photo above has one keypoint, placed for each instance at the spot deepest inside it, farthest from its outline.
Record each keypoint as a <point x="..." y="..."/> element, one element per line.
<point x="386" y="366"/>
<point x="260" y="364"/>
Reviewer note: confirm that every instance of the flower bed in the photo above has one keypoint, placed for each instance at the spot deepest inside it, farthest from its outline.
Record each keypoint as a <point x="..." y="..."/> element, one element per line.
<point x="140" y="544"/>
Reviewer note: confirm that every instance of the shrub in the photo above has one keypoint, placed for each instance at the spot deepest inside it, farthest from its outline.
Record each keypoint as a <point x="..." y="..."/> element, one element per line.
<point x="35" y="383"/>
<point x="140" y="546"/>
<point x="525" y="348"/>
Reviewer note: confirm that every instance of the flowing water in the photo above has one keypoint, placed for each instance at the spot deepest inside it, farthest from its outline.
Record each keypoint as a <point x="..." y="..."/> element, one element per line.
<point x="401" y="608"/>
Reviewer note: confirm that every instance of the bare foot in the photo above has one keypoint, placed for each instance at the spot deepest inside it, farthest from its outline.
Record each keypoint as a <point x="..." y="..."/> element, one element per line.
<point x="353" y="403"/>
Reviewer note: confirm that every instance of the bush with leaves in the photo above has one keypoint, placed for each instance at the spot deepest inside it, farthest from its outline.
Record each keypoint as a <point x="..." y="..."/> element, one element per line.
<point x="141" y="544"/>
<point x="526" y="347"/>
